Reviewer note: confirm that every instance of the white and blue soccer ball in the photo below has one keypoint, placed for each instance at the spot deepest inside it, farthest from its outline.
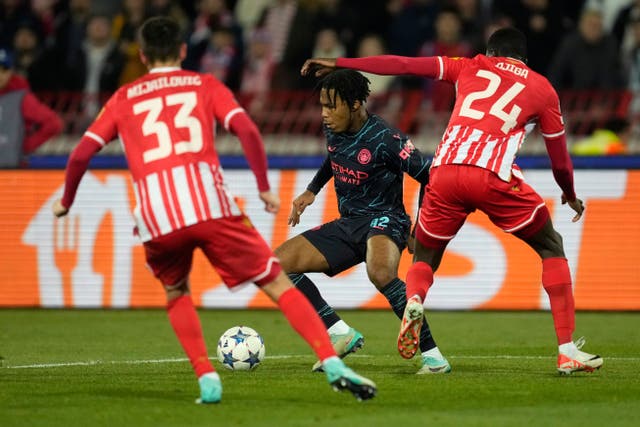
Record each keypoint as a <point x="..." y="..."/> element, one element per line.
<point x="240" y="348"/>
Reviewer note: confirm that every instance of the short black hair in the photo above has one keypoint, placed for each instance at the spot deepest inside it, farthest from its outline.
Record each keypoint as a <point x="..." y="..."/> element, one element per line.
<point x="160" y="39"/>
<point x="350" y="85"/>
<point x="508" y="42"/>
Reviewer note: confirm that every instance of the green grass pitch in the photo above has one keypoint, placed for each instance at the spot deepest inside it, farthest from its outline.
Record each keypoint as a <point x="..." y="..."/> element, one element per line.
<point x="125" y="368"/>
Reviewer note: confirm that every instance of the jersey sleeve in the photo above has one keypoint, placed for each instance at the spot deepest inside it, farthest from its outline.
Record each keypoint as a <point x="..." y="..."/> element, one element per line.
<point x="225" y="105"/>
<point x="321" y="177"/>
<point x="401" y="153"/>
<point x="450" y="67"/>
<point x="104" y="129"/>
<point x="550" y="117"/>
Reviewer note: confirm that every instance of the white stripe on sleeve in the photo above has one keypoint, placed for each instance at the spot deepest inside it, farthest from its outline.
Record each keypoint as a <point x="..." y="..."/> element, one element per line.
<point x="230" y="115"/>
<point x="97" y="138"/>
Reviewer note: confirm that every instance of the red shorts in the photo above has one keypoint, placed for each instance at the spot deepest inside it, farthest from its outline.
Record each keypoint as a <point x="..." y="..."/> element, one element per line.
<point x="454" y="191"/>
<point x="232" y="245"/>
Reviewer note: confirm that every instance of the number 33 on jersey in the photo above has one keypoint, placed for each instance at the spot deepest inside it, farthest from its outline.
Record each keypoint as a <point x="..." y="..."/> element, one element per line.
<point x="166" y="126"/>
<point x="498" y="102"/>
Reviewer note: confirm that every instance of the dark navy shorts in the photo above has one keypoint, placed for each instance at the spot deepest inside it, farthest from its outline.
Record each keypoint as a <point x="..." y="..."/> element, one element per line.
<point x="343" y="242"/>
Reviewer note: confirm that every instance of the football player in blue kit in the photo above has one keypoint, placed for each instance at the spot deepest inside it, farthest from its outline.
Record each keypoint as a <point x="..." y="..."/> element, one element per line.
<point x="367" y="159"/>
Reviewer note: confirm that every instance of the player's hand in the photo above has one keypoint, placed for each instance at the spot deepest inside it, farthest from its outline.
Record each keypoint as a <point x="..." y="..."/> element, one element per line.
<point x="318" y="66"/>
<point x="271" y="201"/>
<point x="576" y="205"/>
<point x="298" y="206"/>
<point x="58" y="209"/>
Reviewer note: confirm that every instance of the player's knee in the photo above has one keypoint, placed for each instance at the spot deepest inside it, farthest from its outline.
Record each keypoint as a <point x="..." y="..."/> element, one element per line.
<point x="176" y="290"/>
<point x="288" y="259"/>
<point x="380" y="276"/>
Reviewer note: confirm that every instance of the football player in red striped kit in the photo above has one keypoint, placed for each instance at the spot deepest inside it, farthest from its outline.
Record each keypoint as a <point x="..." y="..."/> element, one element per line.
<point x="166" y="123"/>
<point x="499" y="100"/>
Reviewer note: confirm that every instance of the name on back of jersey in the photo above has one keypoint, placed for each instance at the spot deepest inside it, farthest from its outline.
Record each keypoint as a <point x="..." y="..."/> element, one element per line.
<point x="518" y="71"/>
<point x="161" y="83"/>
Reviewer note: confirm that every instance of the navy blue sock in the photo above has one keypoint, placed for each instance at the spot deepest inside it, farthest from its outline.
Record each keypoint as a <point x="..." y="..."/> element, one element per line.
<point x="309" y="289"/>
<point x="396" y="293"/>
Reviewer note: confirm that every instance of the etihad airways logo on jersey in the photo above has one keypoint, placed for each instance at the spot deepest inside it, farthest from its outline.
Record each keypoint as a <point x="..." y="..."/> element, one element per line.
<point x="518" y="71"/>
<point x="161" y="83"/>
<point x="348" y="175"/>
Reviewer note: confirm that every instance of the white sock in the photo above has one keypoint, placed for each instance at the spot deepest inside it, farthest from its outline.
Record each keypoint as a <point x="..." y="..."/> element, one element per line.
<point x="329" y="359"/>
<point x="434" y="352"/>
<point x="568" y="349"/>
<point x="210" y="375"/>
<point x="338" y="328"/>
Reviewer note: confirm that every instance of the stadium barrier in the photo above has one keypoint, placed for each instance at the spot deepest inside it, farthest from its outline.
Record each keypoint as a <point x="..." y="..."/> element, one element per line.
<point x="92" y="259"/>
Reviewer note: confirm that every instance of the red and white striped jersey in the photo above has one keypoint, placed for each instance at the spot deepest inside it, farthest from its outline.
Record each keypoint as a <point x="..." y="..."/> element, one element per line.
<point x="498" y="102"/>
<point x="166" y="122"/>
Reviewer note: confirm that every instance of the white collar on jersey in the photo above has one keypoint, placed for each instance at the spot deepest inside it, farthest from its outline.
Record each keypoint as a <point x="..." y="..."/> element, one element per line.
<point x="163" y="69"/>
<point x="516" y="59"/>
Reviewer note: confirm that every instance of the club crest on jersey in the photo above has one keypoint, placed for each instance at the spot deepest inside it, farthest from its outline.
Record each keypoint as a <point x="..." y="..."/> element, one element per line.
<point x="364" y="156"/>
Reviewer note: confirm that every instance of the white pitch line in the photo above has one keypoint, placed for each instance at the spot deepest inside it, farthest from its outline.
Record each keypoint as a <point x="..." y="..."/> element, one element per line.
<point x="280" y="356"/>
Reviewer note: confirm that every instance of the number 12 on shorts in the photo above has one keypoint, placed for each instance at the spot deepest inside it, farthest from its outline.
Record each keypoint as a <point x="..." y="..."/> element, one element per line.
<point x="380" y="223"/>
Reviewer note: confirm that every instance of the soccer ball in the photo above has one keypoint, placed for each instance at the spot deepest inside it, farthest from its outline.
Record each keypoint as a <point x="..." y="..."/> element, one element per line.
<point x="240" y="348"/>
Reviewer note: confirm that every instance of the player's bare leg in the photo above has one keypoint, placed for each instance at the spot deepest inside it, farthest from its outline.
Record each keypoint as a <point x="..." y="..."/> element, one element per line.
<point x="303" y="318"/>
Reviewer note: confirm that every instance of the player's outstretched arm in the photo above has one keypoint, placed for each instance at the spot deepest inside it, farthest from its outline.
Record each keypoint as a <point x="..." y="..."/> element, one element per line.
<point x="318" y="66"/>
<point x="76" y="167"/>
<point x="298" y="206"/>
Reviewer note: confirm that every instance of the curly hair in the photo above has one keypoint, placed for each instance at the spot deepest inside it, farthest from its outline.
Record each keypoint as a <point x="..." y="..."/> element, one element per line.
<point x="350" y="85"/>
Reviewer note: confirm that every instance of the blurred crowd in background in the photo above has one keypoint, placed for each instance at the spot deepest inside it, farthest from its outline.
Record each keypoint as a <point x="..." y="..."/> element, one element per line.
<point x="258" y="46"/>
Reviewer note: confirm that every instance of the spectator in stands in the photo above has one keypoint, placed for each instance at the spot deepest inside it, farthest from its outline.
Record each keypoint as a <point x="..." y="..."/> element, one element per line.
<point x="327" y="44"/>
<point x="25" y="122"/>
<point x="587" y="58"/>
<point x="473" y="18"/>
<point x="256" y="76"/>
<point x="248" y="12"/>
<point x="372" y="45"/>
<point x="541" y="22"/>
<point x="26" y="49"/>
<point x="448" y="42"/>
<point x="215" y="16"/>
<point x="125" y="26"/>
<point x="62" y="49"/>
<point x="12" y="14"/>
<point x="46" y="13"/>
<point x="288" y="23"/>
<point x="96" y="67"/>
<point x="220" y="55"/>
<point x="412" y="26"/>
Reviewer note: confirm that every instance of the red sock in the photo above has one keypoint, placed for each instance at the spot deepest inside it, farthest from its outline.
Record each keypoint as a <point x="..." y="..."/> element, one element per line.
<point x="419" y="279"/>
<point x="304" y="319"/>
<point x="186" y="325"/>
<point x="556" y="280"/>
